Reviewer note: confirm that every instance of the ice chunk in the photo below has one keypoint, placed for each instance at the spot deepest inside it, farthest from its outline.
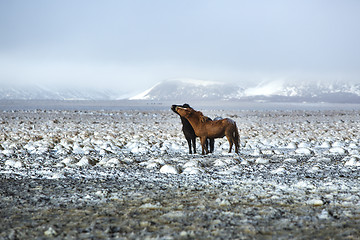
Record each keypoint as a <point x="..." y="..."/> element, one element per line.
<point x="174" y="214"/>
<point x="304" y="145"/>
<point x="30" y="147"/>
<point x="324" y="215"/>
<point x="191" y="163"/>
<point x="314" y="169"/>
<point x="86" y="161"/>
<point x="279" y="170"/>
<point x="222" y="202"/>
<point x="150" y="206"/>
<point x="337" y="150"/>
<point x="113" y="162"/>
<point x="262" y="160"/>
<point x="338" y="144"/>
<point x="68" y="160"/>
<point x="257" y="152"/>
<point x="353" y="161"/>
<point x="152" y="165"/>
<point x="304" y="151"/>
<point x="192" y="170"/>
<point x="50" y="232"/>
<point x="139" y="150"/>
<point x="291" y="145"/>
<point x="13" y="163"/>
<point x="304" y="184"/>
<point x="8" y="152"/>
<point x="77" y="149"/>
<point x="325" y="144"/>
<point x="323" y="159"/>
<point x="56" y="175"/>
<point x="219" y="163"/>
<point x="353" y="145"/>
<point x="169" y="169"/>
<point x="243" y="161"/>
<point x="290" y="160"/>
<point x="315" y="202"/>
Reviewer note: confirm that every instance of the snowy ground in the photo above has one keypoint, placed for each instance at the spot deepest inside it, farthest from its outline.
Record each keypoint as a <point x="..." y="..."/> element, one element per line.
<point x="128" y="174"/>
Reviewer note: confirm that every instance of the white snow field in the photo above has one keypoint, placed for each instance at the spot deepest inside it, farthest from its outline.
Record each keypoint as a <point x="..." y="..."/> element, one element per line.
<point x="128" y="174"/>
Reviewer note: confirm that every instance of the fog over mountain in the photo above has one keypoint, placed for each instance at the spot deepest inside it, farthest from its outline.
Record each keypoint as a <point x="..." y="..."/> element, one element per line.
<point x="38" y="92"/>
<point x="192" y="89"/>
<point x="273" y="91"/>
<point x="188" y="89"/>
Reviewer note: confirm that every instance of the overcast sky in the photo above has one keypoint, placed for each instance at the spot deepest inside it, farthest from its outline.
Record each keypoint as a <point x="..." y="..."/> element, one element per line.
<point x="132" y="44"/>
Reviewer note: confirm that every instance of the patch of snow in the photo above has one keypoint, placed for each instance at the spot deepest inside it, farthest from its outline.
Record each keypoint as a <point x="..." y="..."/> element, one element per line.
<point x="265" y="89"/>
<point x="169" y="169"/>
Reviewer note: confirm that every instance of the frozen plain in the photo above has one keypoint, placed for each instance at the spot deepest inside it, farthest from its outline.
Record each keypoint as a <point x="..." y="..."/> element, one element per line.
<point x="79" y="174"/>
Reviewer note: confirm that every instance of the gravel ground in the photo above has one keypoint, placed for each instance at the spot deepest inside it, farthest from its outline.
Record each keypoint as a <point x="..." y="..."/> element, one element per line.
<point x="127" y="175"/>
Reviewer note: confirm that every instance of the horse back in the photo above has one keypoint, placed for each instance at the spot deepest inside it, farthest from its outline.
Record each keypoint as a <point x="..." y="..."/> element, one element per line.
<point x="222" y="122"/>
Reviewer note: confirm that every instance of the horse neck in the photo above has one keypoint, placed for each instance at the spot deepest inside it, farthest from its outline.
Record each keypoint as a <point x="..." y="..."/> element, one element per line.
<point x="185" y="122"/>
<point x="194" y="121"/>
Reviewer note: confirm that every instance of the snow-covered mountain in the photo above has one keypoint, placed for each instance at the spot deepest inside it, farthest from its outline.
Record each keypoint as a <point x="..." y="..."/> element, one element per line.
<point x="190" y="89"/>
<point x="336" y="92"/>
<point x="34" y="92"/>
<point x="273" y="91"/>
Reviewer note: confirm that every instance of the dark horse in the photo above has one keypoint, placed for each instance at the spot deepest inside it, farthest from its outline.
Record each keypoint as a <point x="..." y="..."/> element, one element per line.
<point x="211" y="129"/>
<point x="189" y="131"/>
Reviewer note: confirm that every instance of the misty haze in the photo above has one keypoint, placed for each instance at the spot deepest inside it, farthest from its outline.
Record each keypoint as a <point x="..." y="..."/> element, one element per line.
<point x="117" y="49"/>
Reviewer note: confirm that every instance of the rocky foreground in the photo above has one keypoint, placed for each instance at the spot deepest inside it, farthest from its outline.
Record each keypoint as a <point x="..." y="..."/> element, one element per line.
<point x="127" y="175"/>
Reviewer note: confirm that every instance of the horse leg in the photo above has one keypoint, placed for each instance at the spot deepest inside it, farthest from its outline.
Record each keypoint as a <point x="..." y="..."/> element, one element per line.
<point x="194" y="144"/>
<point x="203" y="145"/>
<point x="212" y="143"/>
<point x="189" y="144"/>
<point x="207" y="144"/>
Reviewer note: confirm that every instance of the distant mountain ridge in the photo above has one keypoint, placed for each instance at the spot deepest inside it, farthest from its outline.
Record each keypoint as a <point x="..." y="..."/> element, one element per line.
<point x="187" y="89"/>
<point x="273" y="91"/>
<point x="191" y="90"/>
<point x="44" y="93"/>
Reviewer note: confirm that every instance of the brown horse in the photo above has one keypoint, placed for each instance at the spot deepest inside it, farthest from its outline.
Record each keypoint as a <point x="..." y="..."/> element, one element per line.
<point x="211" y="129"/>
<point x="189" y="131"/>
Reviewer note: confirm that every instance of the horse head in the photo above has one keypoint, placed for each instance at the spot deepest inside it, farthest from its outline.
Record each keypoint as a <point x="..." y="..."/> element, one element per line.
<point x="185" y="105"/>
<point x="183" y="111"/>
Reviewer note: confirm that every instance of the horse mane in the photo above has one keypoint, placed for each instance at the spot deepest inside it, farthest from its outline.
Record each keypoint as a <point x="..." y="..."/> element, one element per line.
<point x="202" y="117"/>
